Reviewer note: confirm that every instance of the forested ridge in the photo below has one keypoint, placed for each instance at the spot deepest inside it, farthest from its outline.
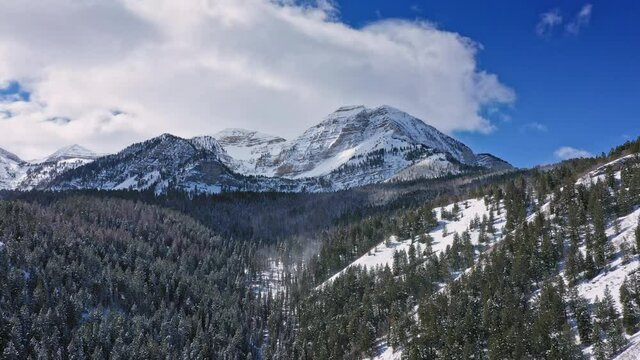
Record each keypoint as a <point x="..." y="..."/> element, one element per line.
<point x="119" y="275"/>
<point x="107" y="278"/>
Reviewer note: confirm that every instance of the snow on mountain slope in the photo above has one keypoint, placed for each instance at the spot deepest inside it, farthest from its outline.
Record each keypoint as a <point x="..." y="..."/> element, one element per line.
<point x="246" y="148"/>
<point x="354" y="146"/>
<point x="40" y="172"/>
<point x="492" y="162"/>
<point x="600" y="173"/>
<point x="157" y="163"/>
<point x="431" y="166"/>
<point x="169" y="162"/>
<point x="70" y="153"/>
<point x="385" y="352"/>
<point x="352" y="134"/>
<point x="245" y="138"/>
<point x="612" y="277"/>
<point x="617" y="270"/>
<point x="633" y="350"/>
<point x="382" y="254"/>
<point x="11" y="170"/>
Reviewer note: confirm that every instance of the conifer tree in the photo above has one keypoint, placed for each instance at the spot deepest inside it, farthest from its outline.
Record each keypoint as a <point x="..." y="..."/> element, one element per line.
<point x="629" y="311"/>
<point x="599" y="346"/>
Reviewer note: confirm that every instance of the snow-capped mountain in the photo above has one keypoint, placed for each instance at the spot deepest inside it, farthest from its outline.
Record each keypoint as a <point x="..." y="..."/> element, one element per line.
<point x="167" y="162"/>
<point x="72" y="152"/>
<point x="353" y="146"/>
<point x="11" y="170"/>
<point x="156" y="163"/>
<point x="39" y="173"/>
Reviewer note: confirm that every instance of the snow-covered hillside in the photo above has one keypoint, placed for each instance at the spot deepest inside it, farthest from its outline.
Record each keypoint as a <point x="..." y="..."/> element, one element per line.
<point x="620" y="233"/>
<point x="443" y="234"/>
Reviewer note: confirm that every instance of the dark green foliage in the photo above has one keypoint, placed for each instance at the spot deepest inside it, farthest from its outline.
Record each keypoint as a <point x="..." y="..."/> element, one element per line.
<point x="101" y="277"/>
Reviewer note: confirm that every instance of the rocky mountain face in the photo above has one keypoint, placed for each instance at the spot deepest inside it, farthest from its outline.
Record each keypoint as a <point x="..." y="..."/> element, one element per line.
<point x="166" y="163"/>
<point x="39" y="173"/>
<point x="158" y="163"/>
<point x="17" y="174"/>
<point x="11" y="170"/>
<point x="355" y="146"/>
<point x="351" y="147"/>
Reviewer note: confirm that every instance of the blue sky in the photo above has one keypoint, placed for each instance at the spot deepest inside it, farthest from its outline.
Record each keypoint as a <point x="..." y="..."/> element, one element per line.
<point x="579" y="90"/>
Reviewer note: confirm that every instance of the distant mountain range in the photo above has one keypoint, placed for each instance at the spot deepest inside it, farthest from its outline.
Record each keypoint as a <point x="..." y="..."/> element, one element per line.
<point x="351" y="147"/>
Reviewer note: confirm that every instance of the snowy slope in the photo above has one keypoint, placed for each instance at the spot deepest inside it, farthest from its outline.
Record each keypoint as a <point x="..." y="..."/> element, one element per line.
<point x="492" y="162"/>
<point x="382" y="254"/>
<point x="354" y="146"/>
<point x="633" y="350"/>
<point x="429" y="167"/>
<point x="613" y="277"/>
<point x="169" y="162"/>
<point x="39" y="173"/>
<point x="11" y="170"/>
<point x="247" y="148"/>
<point x="155" y="163"/>
<point x="616" y="270"/>
<point x="599" y="174"/>
<point x="70" y="153"/>
<point x="350" y="134"/>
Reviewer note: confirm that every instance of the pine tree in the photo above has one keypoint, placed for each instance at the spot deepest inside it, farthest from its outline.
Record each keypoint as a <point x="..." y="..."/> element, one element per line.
<point x="629" y="311"/>
<point x="599" y="346"/>
<point x="574" y="263"/>
<point x="608" y="322"/>
<point x="599" y="236"/>
<point x="590" y="267"/>
<point x="580" y="307"/>
<point x="616" y="341"/>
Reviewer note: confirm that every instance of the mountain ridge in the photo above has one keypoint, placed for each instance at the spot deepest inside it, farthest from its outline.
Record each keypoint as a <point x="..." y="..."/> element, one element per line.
<point x="353" y="146"/>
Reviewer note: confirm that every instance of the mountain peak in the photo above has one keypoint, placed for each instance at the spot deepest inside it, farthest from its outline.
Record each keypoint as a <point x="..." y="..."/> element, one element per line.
<point x="208" y="143"/>
<point x="74" y="151"/>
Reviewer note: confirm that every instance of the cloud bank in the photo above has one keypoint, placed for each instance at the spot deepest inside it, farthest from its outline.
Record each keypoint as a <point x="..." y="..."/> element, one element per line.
<point x="125" y="70"/>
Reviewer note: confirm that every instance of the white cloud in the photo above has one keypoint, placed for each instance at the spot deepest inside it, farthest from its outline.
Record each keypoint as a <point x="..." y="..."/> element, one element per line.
<point x="548" y="21"/>
<point x="535" y="126"/>
<point x="126" y="70"/>
<point x="581" y="20"/>
<point x="568" y="152"/>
